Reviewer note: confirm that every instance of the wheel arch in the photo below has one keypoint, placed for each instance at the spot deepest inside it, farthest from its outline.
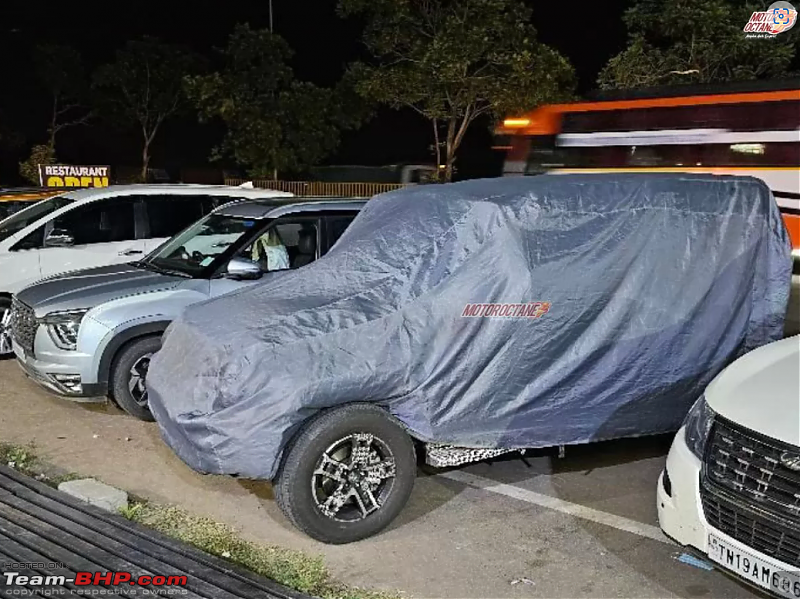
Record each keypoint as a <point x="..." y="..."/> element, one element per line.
<point x="302" y="426"/>
<point x="122" y="339"/>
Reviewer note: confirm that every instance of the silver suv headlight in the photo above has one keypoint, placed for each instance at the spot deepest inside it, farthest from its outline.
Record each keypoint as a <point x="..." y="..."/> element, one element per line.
<point x="63" y="327"/>
<point x="698" y="424"/>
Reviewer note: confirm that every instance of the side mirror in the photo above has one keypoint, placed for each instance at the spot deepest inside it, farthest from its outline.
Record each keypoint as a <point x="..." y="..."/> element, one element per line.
<point x="59" y="238"/>
<point x="241" y="269"/>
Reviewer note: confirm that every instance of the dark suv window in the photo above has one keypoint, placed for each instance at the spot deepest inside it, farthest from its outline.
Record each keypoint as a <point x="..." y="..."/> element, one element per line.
<point x="103" y="221"/>
<point x="168" y="215"/>
<point x="337" y="226"/>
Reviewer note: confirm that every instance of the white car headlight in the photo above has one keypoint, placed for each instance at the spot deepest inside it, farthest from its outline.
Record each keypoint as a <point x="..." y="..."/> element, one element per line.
<point x="63" y="327"/>
<point x="698" y="424"/>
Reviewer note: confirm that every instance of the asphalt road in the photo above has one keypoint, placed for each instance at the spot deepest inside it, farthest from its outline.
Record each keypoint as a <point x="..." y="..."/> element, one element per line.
<point x="580" y="526"/>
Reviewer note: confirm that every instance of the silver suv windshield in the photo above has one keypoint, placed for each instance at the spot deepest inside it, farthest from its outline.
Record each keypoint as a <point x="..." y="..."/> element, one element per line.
<point x="18" y="221"/>
<point x="194" y="250"/>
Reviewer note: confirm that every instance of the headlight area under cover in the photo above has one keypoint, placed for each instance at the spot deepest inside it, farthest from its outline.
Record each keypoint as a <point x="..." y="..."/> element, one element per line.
<point x="698" y="425"/>
<point x="63" y="327"/>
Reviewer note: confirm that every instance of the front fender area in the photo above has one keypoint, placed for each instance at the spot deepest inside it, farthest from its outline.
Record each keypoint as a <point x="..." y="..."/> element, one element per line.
<point x="139" y="316"/>
<point x="119" y="337"/>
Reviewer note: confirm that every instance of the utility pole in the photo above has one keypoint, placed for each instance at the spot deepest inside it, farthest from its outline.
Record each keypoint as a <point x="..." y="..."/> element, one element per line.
<point x="270" y="16"/>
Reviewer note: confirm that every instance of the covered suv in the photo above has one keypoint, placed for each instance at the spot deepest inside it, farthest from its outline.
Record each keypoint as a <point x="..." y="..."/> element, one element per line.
<point x="475" y="318"/>
<point x="91" y="333"/>
<point x="99" y="227"/>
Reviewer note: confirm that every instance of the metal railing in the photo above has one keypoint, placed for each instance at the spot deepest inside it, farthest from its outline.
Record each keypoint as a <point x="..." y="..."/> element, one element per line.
<point x="321" y="188"/>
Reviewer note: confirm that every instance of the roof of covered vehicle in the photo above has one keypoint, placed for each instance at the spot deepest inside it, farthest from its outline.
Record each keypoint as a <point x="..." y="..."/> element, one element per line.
<point x="176" y="189"/>
<point x="282" y="206"/>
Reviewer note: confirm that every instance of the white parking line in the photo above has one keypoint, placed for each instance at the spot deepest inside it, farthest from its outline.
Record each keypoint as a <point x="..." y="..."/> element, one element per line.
<point x="559" y="505"/>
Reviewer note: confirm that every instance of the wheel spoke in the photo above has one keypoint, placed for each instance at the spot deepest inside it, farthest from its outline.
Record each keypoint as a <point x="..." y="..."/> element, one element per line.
<point x="361" y="448"/>
<point x="365" y="499"/>
<point x="139" y="369"/>
<point x="137" y="383"/>
<point x="338" y="472"/>
<point x="381" y="470"/>
<point x="335" y="500"/>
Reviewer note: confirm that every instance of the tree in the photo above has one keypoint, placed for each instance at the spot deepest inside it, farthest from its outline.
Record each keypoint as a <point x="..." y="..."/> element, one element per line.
<point x="145" y="86"/>
<point x="695" y="41"/>
<point x="455" y="61"/>
<point x="274" y="122"/>
<point x="60" y="71"/>
<point x="40" y="154"/>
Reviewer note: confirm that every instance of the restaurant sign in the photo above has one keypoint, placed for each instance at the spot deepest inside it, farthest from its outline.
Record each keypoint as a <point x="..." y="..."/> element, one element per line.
<point x="61" y="175"/>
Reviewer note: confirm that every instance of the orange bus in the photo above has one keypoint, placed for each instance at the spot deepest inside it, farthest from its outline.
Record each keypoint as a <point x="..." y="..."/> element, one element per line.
<point x="748" y="129"/>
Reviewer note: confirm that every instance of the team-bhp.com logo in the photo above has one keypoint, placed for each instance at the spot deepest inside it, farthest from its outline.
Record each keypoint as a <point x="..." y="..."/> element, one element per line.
<point x="17" y="584"/>
<point x="526" y="310"/>
<point x="778" y="18"/>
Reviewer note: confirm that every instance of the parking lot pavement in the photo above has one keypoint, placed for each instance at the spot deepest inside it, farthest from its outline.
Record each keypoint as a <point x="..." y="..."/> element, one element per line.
<point x="581" y="526"/>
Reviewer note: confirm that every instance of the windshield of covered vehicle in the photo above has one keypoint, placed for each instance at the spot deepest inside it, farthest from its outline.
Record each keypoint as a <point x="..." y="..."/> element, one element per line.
<point x="196" y="248"/>
<point x="19" y="220"/>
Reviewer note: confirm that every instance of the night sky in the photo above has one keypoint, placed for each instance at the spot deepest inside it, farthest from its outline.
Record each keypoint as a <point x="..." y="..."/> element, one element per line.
<point x="588" y="34"/>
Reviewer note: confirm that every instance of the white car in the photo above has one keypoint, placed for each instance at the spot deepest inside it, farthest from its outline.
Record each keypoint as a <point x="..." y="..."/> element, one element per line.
<point x="731" y="486"/>
<point x="99" y="227"/>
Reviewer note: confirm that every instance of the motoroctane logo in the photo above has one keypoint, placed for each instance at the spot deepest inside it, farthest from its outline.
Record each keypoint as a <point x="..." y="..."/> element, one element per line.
<point x="778" y="18"/>
<point x="526" y="310"/>
<point x="61" y="175"/>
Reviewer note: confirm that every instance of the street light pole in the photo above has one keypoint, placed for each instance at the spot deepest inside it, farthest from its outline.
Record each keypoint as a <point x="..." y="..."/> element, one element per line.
<point x="270" y="16"/>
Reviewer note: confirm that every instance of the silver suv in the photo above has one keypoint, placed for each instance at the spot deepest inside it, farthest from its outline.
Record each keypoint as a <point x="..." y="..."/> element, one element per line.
<point x="90" y="334"/>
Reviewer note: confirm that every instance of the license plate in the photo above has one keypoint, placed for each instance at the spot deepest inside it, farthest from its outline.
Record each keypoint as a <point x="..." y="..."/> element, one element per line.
<point x="754" y="569"/>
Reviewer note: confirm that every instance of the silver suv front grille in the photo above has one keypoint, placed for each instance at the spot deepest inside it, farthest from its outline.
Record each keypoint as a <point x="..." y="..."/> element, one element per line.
<point x="23" y="325"/>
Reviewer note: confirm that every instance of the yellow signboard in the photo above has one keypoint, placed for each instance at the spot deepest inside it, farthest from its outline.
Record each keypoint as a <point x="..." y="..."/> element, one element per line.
<point x="63" y="175"/>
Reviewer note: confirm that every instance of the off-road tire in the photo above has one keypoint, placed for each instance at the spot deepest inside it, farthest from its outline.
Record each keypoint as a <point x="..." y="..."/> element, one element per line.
<point x="293" y="484"/>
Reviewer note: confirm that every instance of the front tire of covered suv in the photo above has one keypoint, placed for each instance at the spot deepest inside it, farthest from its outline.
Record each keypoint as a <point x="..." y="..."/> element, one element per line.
<point x="129" y="374"/>
<point x="347" y="475"/>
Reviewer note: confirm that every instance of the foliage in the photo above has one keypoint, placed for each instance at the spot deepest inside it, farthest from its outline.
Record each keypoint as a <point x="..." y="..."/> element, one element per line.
<point x="40" y="154"/>
<point x="695" y="41"/>
<point x="144" y="87"/>
<point x="274" y="122"/>
<point x="60" y="71"/>
<point x="132" y="511"/>
<point x="18" y="457"/>
<point x="455" y="61"/>
<point x="292" y="568"/>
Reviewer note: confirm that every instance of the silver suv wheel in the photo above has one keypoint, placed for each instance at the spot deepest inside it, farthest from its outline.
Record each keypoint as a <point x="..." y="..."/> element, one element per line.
<point x="5" y="330"/>
<point x="136" y="384"/>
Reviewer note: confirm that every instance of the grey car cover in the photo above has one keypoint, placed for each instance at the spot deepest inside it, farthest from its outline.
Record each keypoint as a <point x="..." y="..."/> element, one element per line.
<point x="503" y="313"/>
